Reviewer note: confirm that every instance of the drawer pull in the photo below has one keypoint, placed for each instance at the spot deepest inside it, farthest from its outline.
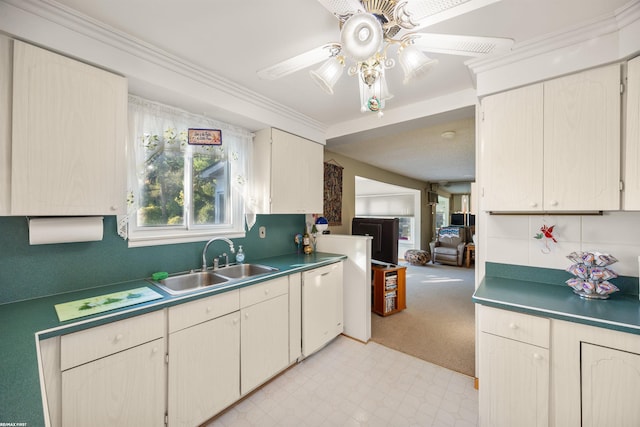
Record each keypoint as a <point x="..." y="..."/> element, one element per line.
<point x="119" y="337"/>
<point x="513" y="326"/>
<point x="246" y="315"/>
<point x="235" y="321"/>
<point x="208" y="309"/>
<point x="537" y="356"/>
<point x="154" y="350"/>
<point x="266" y="291"/>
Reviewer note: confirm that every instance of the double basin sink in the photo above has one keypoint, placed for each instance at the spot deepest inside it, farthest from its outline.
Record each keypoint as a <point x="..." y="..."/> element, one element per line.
<point x="181" y="283"/>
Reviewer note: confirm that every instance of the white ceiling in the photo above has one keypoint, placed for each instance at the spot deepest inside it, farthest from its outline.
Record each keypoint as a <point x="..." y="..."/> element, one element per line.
<point x="234" y="39"/>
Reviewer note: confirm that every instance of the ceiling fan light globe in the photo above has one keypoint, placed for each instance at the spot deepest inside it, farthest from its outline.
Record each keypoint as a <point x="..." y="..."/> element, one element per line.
<point x="361" y="36"/>
<point x="328" y="74"/>
<point x="414" y="63"/>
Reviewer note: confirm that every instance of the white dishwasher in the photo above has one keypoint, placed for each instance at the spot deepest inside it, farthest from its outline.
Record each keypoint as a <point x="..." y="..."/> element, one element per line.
<point x="322" y="306"/>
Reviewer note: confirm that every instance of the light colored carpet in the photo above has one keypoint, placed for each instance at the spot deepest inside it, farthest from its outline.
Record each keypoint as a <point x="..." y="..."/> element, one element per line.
<point x="439" y="323"/>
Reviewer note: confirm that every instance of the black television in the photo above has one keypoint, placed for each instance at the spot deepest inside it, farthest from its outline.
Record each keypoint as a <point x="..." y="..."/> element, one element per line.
<point x="385" y="232"/>
<point x="459" y="219"/>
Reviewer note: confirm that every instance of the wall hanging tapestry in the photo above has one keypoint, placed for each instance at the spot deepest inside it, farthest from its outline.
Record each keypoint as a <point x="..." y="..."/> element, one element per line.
<point x="333" y="193"/>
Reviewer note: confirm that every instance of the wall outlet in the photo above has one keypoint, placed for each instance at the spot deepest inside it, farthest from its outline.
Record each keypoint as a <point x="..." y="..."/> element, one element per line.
<point x="262" y="232"/>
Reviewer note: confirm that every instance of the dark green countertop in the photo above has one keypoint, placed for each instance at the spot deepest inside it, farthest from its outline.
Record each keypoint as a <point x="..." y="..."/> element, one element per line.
<point x="24" y="323"/>
<point x="620" y="312"/>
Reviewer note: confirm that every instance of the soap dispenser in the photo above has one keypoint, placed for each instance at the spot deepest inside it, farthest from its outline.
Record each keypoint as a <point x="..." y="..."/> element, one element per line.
<point x="240" y="255"/>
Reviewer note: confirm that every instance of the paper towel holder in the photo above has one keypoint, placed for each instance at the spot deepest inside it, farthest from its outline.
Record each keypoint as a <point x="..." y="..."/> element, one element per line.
<point x="51" y="230"/>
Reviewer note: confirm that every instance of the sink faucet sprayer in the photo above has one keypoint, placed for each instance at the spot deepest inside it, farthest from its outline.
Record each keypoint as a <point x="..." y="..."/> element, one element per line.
<point x="204" y="251"/>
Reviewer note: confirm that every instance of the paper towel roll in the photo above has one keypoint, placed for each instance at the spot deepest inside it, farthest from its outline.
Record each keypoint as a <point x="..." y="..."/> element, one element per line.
<point x="43" y="231"/>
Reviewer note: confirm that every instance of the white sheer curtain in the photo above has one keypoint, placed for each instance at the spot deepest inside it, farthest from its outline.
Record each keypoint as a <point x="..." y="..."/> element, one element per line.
<point x="145" y="115"/>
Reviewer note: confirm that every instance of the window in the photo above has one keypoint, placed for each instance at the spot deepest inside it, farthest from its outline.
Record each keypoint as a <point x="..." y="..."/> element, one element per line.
<point x="180" y="192"/>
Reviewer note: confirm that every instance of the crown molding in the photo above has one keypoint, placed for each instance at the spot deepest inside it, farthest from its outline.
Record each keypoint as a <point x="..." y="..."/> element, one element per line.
<point x="68" y="18"/>
<point x="584" y="32"/>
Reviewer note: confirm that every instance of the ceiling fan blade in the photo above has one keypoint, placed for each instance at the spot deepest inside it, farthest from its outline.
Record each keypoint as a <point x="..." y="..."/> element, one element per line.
<point x="299" y="62"/>
<point x="342" y="8"/>
<point x="417" y="14"/>
<point x="461" y="45"/>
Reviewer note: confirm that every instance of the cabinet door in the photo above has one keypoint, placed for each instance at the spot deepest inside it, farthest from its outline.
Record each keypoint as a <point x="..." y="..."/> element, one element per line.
<point x="511" y="150"/>
<point x="632" y="140"/>
<point x="204" y="370"/>
<point x="124" y="389"/>
<point x="582" y="141"/>
<point x="264" y="341"/>
<point x="69" y="133"/>
<point x="610" y="387"/>
<point x="297" y="174"/>
<point x="514" y="383"/>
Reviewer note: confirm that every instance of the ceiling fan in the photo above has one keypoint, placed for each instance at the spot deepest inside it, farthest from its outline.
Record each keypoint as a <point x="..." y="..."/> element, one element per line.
<point x="368" y="31"/>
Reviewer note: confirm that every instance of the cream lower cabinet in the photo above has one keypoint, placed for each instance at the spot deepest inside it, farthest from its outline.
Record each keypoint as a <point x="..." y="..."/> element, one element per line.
<point x="114" y="374"/>
<point x="264" y="332"/>
<point x="610" y="387"/>
<point x="596" y="376"/>
<point x="204" y="358"/>
<point x="513" y="369"/>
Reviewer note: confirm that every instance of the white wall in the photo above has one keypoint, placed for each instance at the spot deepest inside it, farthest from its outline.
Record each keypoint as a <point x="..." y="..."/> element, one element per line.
<point x="509" y="239"/>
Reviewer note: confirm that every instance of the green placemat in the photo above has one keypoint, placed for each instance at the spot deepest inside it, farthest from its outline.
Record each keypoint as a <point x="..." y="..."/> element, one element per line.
<point x="102" y="303"/>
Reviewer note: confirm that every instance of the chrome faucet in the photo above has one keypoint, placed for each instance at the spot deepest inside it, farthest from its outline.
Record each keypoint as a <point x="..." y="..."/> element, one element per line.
<point x="204" y="251"/>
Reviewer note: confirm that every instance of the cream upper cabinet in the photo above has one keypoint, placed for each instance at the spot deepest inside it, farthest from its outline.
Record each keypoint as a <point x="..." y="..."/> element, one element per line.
<point x="631" y="192"/>
<point x="511" y="147"/>
<point x="288" y="173"/>
<point x="553" y="146"/>
<point x="582" y="141"/>
<point x="68" y="136"/>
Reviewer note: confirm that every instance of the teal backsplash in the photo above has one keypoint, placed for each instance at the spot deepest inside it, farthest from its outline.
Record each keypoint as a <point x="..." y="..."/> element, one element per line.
<point x="28" y="272"/>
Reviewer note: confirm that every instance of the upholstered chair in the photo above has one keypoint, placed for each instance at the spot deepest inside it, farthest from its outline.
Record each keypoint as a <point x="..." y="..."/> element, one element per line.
<point x="448" y="248"/>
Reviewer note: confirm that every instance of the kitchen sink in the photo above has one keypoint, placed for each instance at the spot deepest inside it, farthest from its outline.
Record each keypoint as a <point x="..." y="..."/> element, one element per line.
<point x="181" y="283"/>
<point x="188" y="282"/>
<point x="241" y="271"/>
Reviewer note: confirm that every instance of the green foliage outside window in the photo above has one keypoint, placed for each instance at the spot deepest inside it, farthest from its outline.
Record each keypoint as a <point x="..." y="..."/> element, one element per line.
<point x="162" y="181"/>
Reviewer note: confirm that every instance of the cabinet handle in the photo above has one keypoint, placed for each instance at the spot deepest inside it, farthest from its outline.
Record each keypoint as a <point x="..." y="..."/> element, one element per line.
<point x="513" y="326"/>
<point x="537" y="356"/>
<point x="119" y="337"/>
<point x="266" y="291"/>
<point x="246" y="315"/>
<point x="554" y="203"/>
<point x="235" y="321"/>
<point x="114" y="208"/>
<point x="154" y="350"/>
<point x="208" y="309"/>
<point x="533" y="204"/>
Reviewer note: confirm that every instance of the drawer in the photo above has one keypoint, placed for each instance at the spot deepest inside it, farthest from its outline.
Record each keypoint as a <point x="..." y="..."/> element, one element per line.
<point x="194" y="312"/>
<point x="517" y="326"/>
<point x="263" y="291"/>
<point x="91" y="344"/>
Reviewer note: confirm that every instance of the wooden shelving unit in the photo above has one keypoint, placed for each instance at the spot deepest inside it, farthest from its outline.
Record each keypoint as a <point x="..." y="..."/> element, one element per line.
<point x="389" y="289"/>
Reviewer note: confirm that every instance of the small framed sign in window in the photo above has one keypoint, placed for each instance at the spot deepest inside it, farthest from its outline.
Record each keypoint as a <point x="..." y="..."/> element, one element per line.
<point x="204" y="137"/>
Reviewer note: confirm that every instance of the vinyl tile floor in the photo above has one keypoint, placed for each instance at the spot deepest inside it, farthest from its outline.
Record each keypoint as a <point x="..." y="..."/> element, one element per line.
<point x="349" y="383"/>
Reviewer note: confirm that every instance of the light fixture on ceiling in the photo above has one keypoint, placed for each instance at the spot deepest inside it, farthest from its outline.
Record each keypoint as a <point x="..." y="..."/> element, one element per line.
<point x="449" y="134"/>
<point x="365" y="39"/>
<point x="370" y="31"/>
